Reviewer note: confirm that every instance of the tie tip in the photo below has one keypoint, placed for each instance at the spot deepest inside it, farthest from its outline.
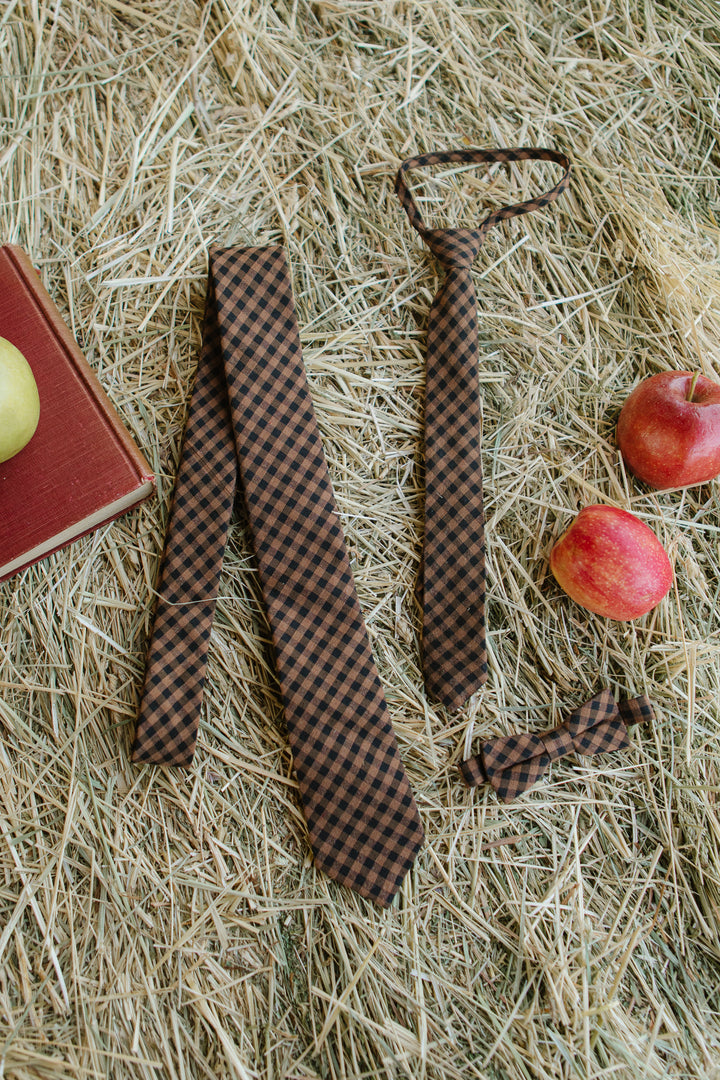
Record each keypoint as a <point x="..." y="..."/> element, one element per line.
<point x="379" y="877"/>
<point x="161" y="758"/>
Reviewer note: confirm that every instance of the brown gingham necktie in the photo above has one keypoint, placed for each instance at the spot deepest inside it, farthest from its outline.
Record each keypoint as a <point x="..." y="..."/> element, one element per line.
<point x="452" y="579"/>
<point x="252" y="423"/>
<point x="514" y="763"/>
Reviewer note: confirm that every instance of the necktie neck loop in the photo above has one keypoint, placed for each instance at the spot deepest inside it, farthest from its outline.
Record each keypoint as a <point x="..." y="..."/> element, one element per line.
<point x="455" y="251"/>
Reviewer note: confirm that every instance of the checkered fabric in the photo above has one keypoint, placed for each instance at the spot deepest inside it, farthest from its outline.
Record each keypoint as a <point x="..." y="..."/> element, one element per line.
<point x="252" y="422"/>
<point x="453" y="562"/>
<point x="513" y="763"/>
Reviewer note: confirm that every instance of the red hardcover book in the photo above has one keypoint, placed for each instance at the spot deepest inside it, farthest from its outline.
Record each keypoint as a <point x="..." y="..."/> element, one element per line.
<point x="81" y="468"/>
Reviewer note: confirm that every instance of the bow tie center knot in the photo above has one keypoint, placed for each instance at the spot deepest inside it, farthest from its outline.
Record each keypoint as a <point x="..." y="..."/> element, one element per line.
<point x="558" y="742"/>
<point x="454" y="247"/>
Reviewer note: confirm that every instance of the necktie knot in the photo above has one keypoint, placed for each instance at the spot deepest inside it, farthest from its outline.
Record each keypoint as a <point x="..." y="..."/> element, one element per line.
<point x="454" y="248"/>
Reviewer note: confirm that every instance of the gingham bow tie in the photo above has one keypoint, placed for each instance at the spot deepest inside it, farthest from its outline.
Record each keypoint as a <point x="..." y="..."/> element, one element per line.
<point x="513" y="763"/>
<point x="453" y="567"/>
<point x="252" y="426"/>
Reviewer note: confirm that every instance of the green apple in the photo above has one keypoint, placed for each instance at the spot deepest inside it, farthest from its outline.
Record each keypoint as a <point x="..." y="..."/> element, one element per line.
<point x="19" y="401"/>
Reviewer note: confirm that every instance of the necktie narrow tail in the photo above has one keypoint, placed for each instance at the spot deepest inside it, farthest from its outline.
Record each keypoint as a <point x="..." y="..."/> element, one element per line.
<point x="454" y="651"/>
<point x="362" y="820"/>
<point x="171" y="698"/>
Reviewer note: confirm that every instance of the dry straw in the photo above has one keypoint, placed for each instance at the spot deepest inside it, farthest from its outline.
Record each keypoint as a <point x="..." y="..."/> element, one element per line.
<point x="170" y="924"/>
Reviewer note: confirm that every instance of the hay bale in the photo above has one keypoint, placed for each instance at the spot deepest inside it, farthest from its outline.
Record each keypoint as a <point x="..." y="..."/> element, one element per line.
<point x="162" y="923"/>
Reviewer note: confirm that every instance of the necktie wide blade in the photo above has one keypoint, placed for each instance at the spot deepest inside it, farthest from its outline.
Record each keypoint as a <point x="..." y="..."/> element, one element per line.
<point x="454" y="652"/>
<point x="362" y="820"/>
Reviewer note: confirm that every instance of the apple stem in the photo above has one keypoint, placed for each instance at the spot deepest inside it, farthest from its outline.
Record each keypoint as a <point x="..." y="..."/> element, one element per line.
<point x="693" y="384"/>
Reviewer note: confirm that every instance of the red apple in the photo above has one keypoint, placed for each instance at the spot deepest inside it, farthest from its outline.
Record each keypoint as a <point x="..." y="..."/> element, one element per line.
<point x="669" y="429"/>
<point x="611" y="563"/>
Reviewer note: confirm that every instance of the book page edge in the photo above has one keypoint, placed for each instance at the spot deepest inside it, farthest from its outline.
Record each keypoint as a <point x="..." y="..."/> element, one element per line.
<point x="60" y="540"/>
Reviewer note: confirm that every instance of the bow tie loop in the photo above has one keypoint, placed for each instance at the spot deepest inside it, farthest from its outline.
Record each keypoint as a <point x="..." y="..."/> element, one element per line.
<point x="454" y="248"/>
<point x="514" y="763"/>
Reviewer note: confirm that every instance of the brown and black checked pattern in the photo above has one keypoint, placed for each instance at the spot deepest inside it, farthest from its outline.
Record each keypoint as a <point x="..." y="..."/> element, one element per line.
<point x="514" y="763"/>
<point x="190" y="571"/>
<point x="453" y="561"/>
<point x="252" y="419"/>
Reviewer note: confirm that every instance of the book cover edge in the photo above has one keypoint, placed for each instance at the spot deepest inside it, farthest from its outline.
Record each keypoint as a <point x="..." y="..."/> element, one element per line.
<point x="31" y="279"/>
<point x="144" y="489"/>
<point x="144" y="485"/>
